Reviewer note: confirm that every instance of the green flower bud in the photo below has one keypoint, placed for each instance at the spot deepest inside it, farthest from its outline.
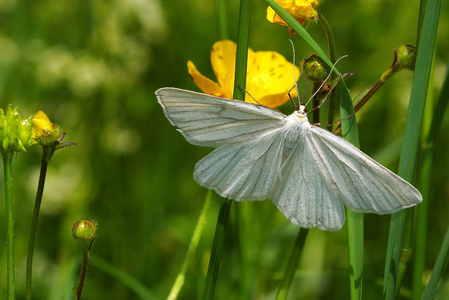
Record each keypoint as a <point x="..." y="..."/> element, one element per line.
<point x="315" y="68"/>
<point x="15" y="133"/>
<point x="84" y="230"/>
<point x="407" y="56"/>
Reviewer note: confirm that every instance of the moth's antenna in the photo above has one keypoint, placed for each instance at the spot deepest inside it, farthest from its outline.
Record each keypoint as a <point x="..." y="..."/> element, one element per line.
<point x="324" y="82"/>
<point x="238" y="84"/>
<point x="346" y="75"/>
<point x="294" y="77"/>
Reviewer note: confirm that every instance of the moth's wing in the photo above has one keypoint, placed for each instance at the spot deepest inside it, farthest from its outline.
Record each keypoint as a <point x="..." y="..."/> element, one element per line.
<point x="206" y="120"/>
<point x="360" y="182"/>
<point x="302" y="194"/>
<point x="244" y="170"/>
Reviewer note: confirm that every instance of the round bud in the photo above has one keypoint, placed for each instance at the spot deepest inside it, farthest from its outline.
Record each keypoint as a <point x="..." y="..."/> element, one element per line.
<point x="407" y="56"/>
<point x="315" y="68"/>
<point x="84" y="230"/>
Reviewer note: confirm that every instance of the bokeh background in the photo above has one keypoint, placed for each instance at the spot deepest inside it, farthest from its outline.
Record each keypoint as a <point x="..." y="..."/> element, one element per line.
<point x="93" y="67"/>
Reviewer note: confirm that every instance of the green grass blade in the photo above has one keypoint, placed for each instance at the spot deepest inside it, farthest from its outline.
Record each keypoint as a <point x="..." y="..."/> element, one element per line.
<point x="355" y="220"/>
<point x="436" y="118"/>
<point x="239" y="93"/>
<point x="179" y="281"/>
<point x="438" y="269"/>
<point x="242" y="50"/>
<point x="292" y="264"/>
<point x="222" y="20"/>
<point x="217" y="249"/>
<point x="122" y="277"/>
<point x="440" y="108"/>
<point x="411" y="137"/>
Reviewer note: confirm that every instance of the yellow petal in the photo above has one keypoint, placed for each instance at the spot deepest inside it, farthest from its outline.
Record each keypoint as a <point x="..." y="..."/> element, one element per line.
<point x="270" y="78"/>
<point x="42" y="124"/>
<point x="302" y="10"/>
<point x="222" y="58"/>
<point x="204" y="83"/>
<point x="271" y="14"/>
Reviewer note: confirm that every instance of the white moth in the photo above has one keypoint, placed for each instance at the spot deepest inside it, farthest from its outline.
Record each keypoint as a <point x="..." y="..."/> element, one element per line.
<point x="308" y="172"/>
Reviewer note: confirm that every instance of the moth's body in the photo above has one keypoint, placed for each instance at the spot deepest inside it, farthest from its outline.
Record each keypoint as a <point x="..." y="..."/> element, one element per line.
<point x="308" y="172"/>
<point x="296" y="125"/>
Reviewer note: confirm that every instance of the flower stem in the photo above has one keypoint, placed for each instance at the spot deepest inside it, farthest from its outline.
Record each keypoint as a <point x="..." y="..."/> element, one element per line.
<point x="33" y="231"/>
<point x="361" y="99"/>
<point x="293" y="261"/>
<point x="87" y="245"/>
<point x="7" y="162"/>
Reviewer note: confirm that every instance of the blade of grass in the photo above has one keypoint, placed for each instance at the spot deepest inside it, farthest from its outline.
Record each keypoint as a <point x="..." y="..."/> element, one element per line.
<point x="239" y="94"/>
<point x="179" y="282"/>
<point x="222" y="20"/>
<point x="436" y="118"/>
<point x="355" y="220"/>
<point x="438" y="269"/>
<point x="217" y="249"/>
<point x="410" y="145"/>
<point x="292" y="264"/>
<point x="122" y="277"/>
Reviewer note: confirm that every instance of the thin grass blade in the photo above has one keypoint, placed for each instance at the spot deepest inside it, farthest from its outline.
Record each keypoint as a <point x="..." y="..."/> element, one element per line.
<point x="410" y="145"/>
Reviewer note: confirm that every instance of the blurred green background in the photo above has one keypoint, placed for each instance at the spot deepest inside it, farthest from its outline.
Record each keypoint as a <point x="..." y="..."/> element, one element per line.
<point x="93" y="67"/>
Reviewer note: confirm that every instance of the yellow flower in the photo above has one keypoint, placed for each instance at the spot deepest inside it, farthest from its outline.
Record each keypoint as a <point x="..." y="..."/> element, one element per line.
<point x="269" y="75"/>
<point x="44" y="131"/>
<point x="302" y="10"/>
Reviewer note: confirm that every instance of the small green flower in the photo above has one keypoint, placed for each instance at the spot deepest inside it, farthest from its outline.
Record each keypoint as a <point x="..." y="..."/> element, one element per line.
<point x="15" y="133"/>
<point x="315" y="68"/>
<point x="84" y="230"/>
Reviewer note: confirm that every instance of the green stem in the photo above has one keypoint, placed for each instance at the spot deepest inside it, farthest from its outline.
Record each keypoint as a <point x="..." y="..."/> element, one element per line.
<point x="216" y="251"/>
<point x="293" y="261"/>
<point x="315" y="103"/>
<point x="242" y="50"/>
<point x="7" y="164"/>
<point x="361" y="99"/>
<point x="222" y="20"/>
<point x="86" y="245"/>
<point x="333" y="98"/>
<point x="179" y="282"/>
<point x="33" y="231"/>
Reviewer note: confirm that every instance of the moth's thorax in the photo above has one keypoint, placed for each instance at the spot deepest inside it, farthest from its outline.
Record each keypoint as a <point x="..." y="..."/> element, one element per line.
<point x="298" y="118"/>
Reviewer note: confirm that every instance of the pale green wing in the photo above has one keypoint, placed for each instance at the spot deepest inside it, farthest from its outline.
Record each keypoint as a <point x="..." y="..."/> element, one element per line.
<point x="303" y="195"/>
<point x="245" y="170"/>
<point x="206" y="120"/>
<point x="356" y="179"/>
